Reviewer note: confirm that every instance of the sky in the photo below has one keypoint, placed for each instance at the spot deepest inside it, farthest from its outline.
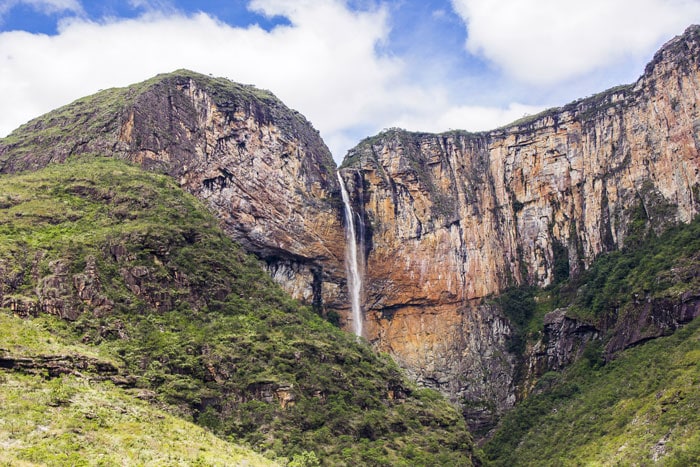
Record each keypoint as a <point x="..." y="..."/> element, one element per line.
<point x="352" y="67"/>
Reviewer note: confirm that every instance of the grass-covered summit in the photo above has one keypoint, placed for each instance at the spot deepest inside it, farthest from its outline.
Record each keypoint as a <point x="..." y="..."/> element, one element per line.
<point x="123" y="261"/>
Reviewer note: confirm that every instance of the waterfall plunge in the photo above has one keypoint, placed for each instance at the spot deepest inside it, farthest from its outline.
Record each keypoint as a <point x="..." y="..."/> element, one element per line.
<point x="352" y="266"/>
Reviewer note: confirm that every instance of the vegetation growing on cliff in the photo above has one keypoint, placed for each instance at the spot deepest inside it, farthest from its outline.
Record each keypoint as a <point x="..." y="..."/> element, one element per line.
<point x="650" y="267"/>
<point x="145" y="277"/>
<point x="640" y="408"/>
<point x="637" y="406"/>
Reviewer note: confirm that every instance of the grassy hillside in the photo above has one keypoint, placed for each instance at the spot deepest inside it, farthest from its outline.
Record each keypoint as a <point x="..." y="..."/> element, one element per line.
<point x="633" y="407"/>
<point x="75" y="419"/>
<point x="140" y="271"/>
<point x="642" y="407"/>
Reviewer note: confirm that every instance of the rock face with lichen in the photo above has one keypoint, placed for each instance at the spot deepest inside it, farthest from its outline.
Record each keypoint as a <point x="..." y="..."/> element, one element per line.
<point x="454" y="218"/>
<point x="258" y="164"/>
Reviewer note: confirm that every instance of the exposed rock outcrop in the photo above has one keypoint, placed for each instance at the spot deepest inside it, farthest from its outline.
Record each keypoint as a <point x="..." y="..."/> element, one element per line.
<point x="653" y="318"/>
<point x="260" y="165"/>
<point x="453" y="218"/>
<point x="57" y="365"/>
<point x="564" y="340"/>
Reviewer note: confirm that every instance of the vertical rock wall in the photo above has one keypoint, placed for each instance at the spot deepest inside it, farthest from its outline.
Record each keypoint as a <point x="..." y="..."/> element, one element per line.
<point x="456" y="217"/>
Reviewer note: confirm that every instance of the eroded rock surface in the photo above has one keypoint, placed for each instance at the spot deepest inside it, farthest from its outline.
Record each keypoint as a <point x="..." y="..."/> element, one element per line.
<point x="260" y="165"/>
<point x="454" y="218"/>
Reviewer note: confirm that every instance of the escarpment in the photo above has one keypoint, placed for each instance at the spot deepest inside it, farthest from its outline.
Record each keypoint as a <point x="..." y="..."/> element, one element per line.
<point x="259" y="165"/>
<point x="455" y="218"/>
<point x="449" y="221"/>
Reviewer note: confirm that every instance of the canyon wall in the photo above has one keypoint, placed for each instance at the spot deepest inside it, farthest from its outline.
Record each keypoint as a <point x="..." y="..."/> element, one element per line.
<point x="455" y="218"/>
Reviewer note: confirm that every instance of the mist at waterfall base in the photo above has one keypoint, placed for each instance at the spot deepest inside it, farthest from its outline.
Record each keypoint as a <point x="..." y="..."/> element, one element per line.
<point x="352" y="266"/>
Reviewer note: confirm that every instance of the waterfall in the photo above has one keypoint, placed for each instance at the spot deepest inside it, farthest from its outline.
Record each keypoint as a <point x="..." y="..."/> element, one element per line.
<point x="352" y="266"/>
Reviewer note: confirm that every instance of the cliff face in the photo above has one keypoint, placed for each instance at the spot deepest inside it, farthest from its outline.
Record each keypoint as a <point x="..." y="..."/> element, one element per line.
<point x="453" y="218"/>
<point x="259" y="165"/>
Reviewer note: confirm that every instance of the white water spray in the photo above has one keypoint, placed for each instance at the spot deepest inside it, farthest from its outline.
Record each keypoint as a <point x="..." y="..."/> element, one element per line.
<point x="351" y="264"/>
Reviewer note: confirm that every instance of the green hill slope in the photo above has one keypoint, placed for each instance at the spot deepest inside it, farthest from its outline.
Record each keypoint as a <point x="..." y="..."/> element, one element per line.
<point x="641" y="408"/>
<point x="613" y="406"/>
<point x="139" y="270"/>
<point x="77" y="419"/>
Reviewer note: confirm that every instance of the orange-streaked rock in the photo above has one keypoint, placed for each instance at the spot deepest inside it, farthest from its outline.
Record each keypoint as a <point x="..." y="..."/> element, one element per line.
<point x="457" y="217"/>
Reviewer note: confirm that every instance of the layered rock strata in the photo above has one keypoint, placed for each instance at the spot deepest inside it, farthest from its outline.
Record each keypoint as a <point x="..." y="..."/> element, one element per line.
<point x="454" y="218"/>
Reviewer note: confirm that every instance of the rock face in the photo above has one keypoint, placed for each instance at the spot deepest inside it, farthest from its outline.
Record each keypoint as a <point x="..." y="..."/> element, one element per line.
<point x="453" y="218"/>
<point x="565" y="339"/>
<point x="261" y="166"/>
<point x="655" y="318"/>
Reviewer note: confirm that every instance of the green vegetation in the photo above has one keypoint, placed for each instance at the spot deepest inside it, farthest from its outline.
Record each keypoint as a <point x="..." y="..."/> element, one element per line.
<point x="650" y="266"/>
<point x="643" y="406"/>
<point x="145" y="278"/>
<point x="639" y="407"/>
<point x="561" y="261"/>
<point x="74" y="420"/>
<point x="519" y="305"/>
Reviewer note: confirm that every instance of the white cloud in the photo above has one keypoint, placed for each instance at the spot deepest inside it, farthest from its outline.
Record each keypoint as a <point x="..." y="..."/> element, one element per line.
<point x="473" y="118"/>
<point x="548" y="41"/>
<point x="326" y="63"/>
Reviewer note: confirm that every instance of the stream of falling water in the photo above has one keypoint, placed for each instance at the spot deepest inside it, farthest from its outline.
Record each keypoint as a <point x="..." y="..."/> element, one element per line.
<point x="351" y="264"/>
